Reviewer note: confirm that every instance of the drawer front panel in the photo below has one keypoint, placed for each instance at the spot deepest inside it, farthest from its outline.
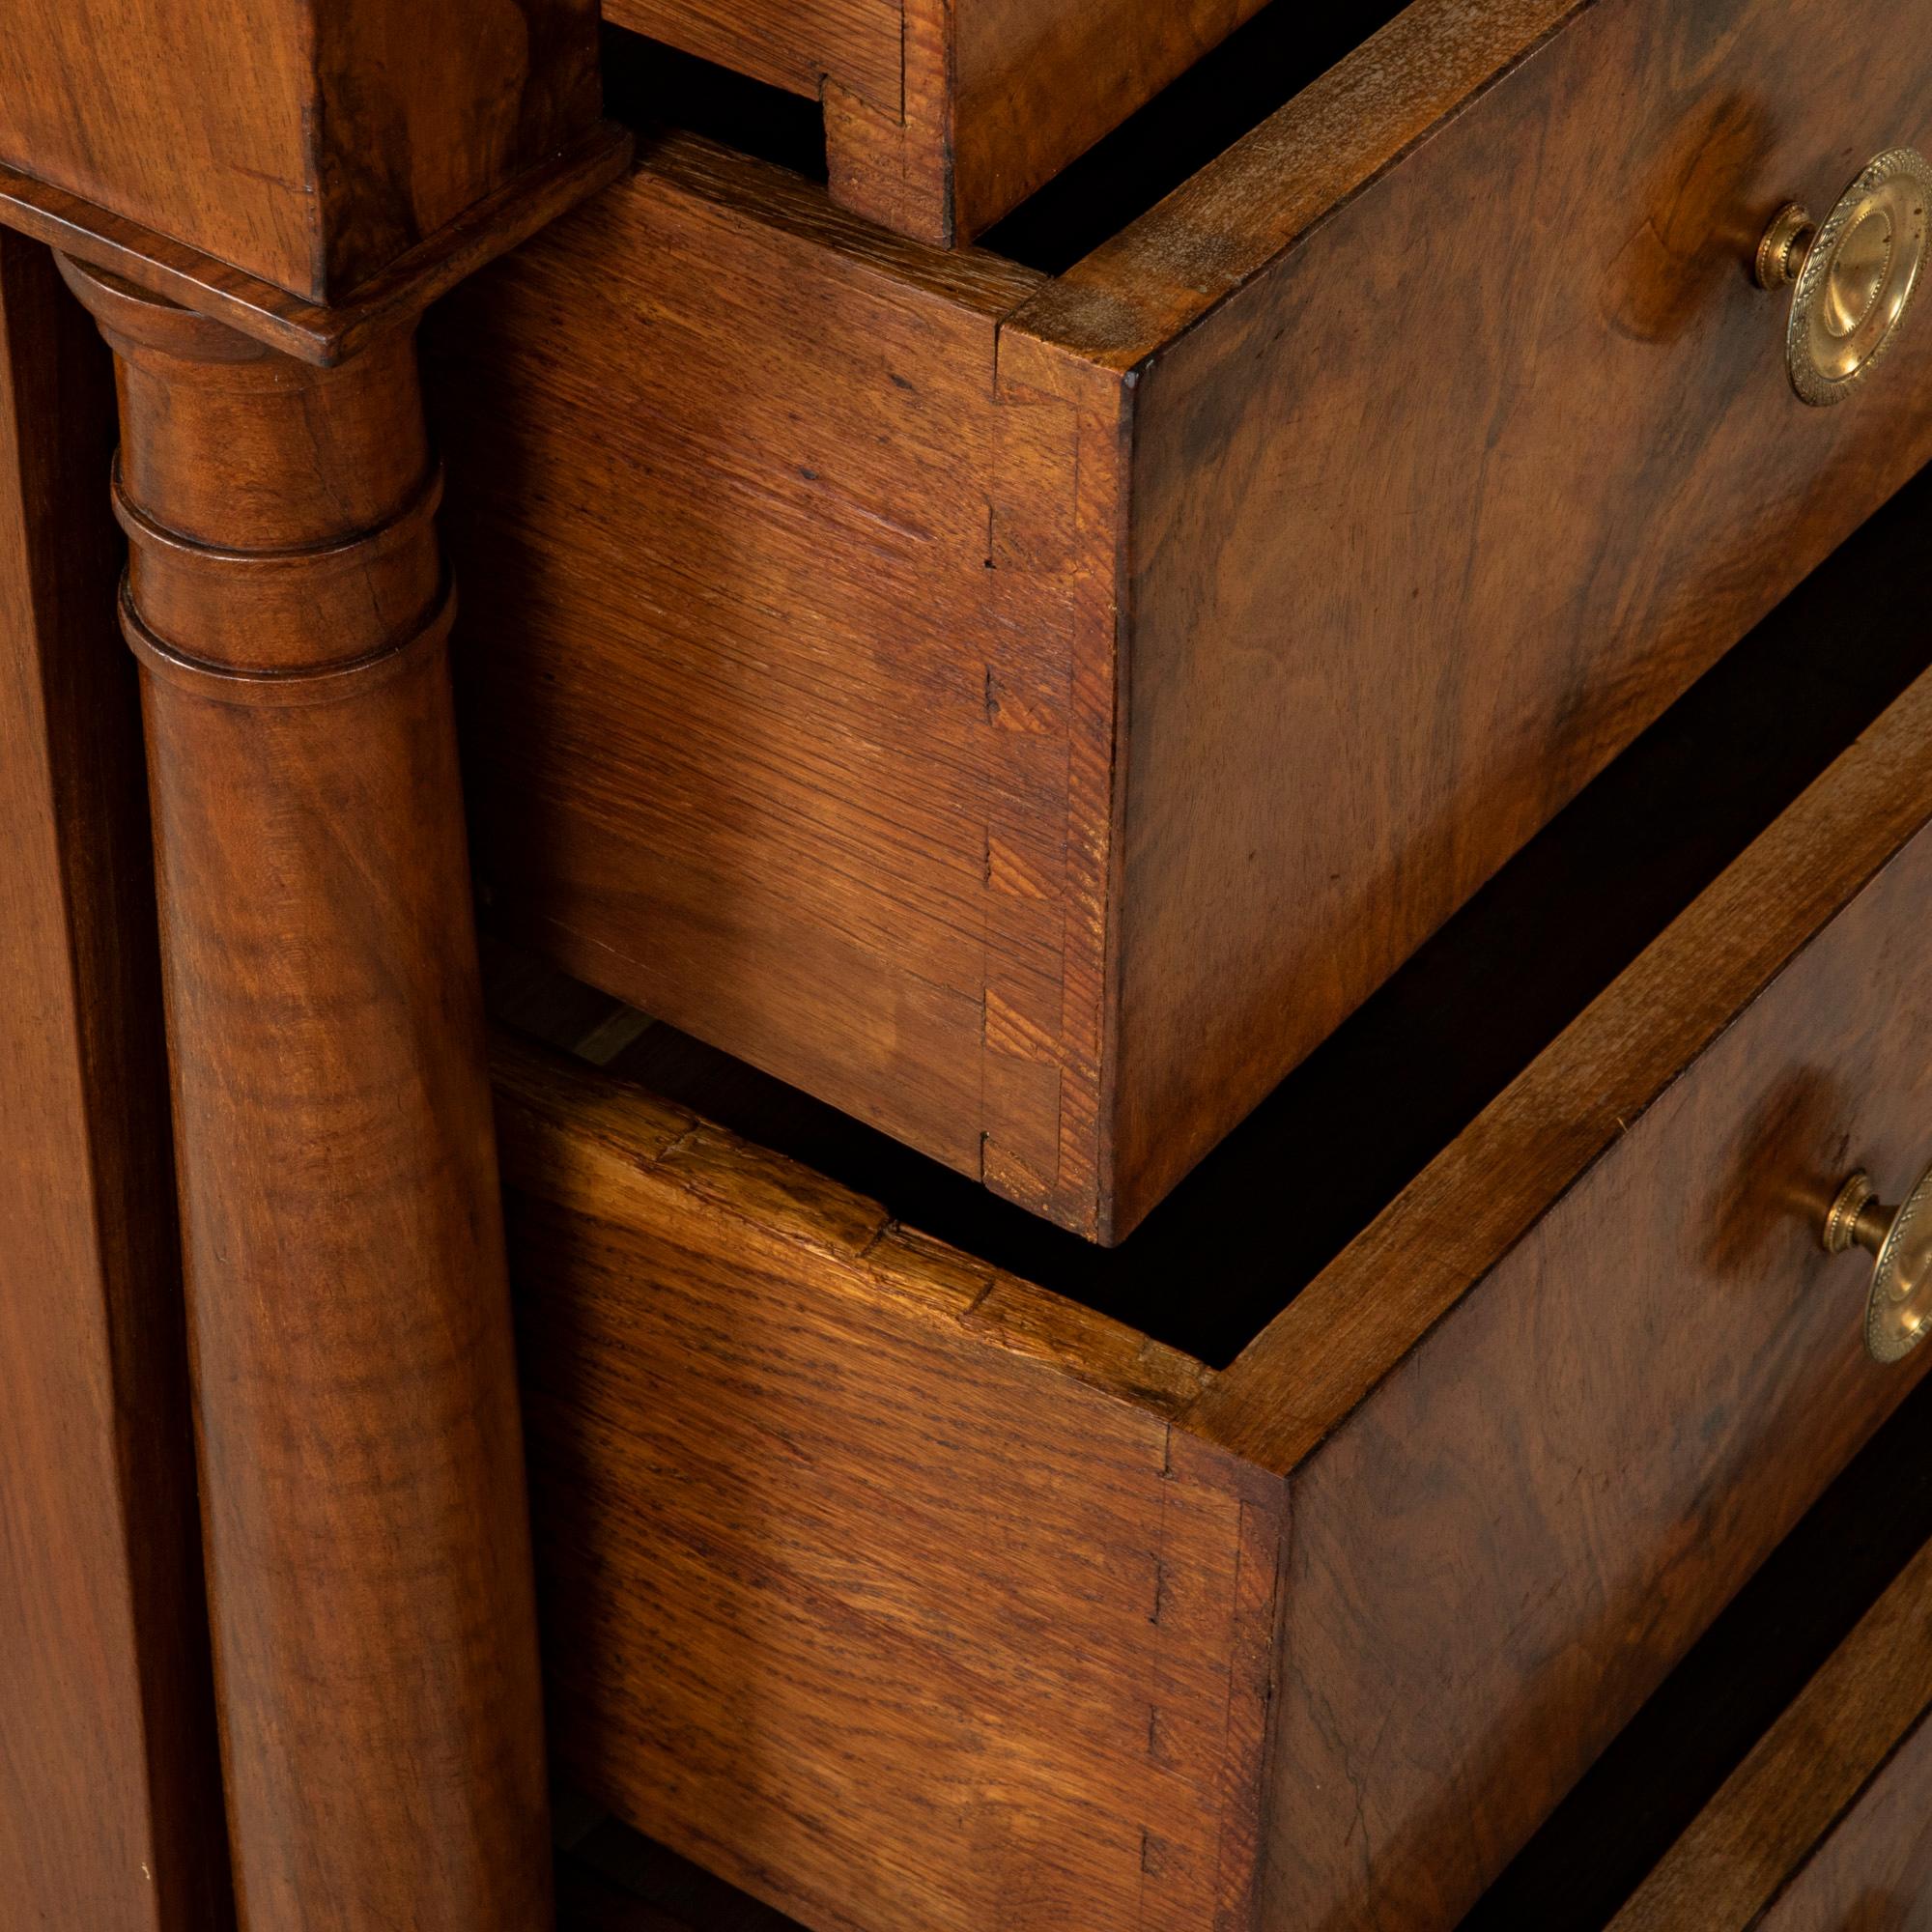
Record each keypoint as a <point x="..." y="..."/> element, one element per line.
<point x="1031" y="714"/>
<point x="1873" y="1872"/>
<point x="1498" y="1558"/>
<point x="1446" y="502"/>
<point x="1824" y="1826"/>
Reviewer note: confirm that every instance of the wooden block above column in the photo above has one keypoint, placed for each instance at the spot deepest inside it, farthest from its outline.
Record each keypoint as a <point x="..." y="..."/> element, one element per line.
<point x="309" y="143"/>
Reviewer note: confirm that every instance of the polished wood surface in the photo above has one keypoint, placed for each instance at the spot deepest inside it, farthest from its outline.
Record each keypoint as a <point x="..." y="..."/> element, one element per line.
<point x="1531" y="1432"/>
<point x="1450" y="1031"/>
<point x="1823" y="1824"/>
<point x="369" y="1580"/>
<point x="307" y="145"/>
<point x="856" y="46"/>
<point x="885" y="1580"/>
<point x="320" y="332"/>
<point x="109" y="1788"/>
<point x="1826" y="1826"/>
<point x="919" y="675"/>
<point x="1667" y="1767"/>
<point x="314" y="175"/>
<point x="940" y="118"/>
<point x="879" y="1583"/>
<point x="1400" y="634"/>
<point x="1873" y="1873"/>
<point x="1607" y="1305"/>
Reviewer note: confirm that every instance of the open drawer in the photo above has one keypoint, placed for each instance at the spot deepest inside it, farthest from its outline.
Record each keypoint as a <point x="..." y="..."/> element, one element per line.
<point x="1286" y="1564"/>
<point x="1030" y="699"/>
<point x="940" y="115"/>
<point x="1778" y="1779"/>
<point x="1827" y="1827"/>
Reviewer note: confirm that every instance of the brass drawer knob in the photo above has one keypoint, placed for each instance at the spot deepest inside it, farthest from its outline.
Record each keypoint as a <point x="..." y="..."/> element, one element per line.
<point x="1855" y="275"/>
<point x="1899" y="1307"/>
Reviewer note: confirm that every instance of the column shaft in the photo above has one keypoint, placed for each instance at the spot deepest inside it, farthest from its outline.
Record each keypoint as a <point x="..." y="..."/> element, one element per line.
<point x="369" y="1570"/>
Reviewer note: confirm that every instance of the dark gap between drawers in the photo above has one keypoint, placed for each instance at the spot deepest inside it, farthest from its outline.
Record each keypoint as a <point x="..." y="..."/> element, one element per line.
<point x="1368" y="1110"/>
<point x="1673" y="1759"/>
<point x="647" y="83"/>
<point x="1227" y="93"/>
<point x="1224" y="95"/>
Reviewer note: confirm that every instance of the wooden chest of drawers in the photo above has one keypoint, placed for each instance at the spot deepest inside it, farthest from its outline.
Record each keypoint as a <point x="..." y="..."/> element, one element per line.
<point x="1265" y="624"/>
<point x="906" y="1590"/>
<point x="1032" y="710"/>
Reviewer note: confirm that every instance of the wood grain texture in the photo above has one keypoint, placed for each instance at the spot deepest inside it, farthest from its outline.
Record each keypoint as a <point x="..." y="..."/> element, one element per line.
<point x="873" y="1580"/>
<point x="1874" y="1872"/>
<point x="943" y="115"/>
<point x="932" y="957"/>
<point x="323" y="334"/>
<point x="1606" y="1304"/>
<point x="804" y="46"/>
<point x="1537" y="1425"/>
<point x="309" y="145"/>
<point x="1033" y="86"/>
<point x="109" y="1785"/>
<point x="367" y="1546"/>
<point x="1280" y="182"/>
<point x="1531" y="490"/>
<point x="1825" y="1825"/>
<point x="1748" y="1670"/>
<point x="1319" y="580"/>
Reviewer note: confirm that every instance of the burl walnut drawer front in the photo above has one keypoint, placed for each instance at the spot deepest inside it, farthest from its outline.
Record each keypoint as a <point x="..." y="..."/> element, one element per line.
<point x="905" y="1592"/>
<point x="1029" y="712"/>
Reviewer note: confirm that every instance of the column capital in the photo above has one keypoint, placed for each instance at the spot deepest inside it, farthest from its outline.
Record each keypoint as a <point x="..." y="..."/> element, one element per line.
<point x="310" y="172"/>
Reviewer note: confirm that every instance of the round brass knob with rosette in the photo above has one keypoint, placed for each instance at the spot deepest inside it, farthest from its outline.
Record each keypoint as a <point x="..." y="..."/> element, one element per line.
<point x="1852" y="277"/>
<point x="1898" y="1310"/>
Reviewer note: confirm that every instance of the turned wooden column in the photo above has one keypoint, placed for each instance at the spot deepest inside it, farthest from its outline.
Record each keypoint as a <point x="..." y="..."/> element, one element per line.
<point x="368" y="1568"/>
<point x="304" y="178"/>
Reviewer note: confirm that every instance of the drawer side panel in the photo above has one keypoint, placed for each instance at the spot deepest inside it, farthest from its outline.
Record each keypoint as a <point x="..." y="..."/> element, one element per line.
<point x="786" y="656"/>
<point x="881" y="1586"/>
